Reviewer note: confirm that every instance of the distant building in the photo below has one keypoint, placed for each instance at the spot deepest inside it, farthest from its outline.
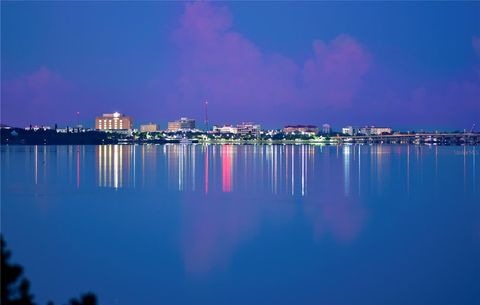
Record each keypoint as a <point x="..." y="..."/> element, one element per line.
<point x="367" y="130"/>
<point x="310" y="129"/>
<point x="374" y="131"/>
<point x="349" y="130"/>
<point x="380" y="130"/>
<point x="149" y="127"/>
<point x="36" y="127"/>
<point x="326" y="129"/>
<point x="225" y="129"/>
<point x="113" y="121"/>
<point x="182" y="124"/>
<point x="248" y="129"/>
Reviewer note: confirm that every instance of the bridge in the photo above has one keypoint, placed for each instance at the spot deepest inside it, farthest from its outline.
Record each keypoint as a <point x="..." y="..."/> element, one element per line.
<point x="471" y="138"/>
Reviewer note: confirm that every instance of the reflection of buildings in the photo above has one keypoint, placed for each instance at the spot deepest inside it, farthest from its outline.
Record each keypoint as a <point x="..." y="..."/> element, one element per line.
<point x="113" y="121"/>
<point x="347" y="151"/>
<point x="227" y="170"/>
<point x="282" y="169"/>
<point x="294" y="170"/>
<point x="113" y="165"/>
<point x="181" y="166"/>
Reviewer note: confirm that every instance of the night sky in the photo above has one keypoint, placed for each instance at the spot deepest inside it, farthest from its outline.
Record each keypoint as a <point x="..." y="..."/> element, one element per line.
<point x="402" y="64"/>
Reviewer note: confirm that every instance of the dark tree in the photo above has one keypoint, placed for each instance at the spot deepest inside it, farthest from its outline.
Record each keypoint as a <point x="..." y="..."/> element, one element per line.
<point x="15" y="288"/>
<point x="86" y="299"/>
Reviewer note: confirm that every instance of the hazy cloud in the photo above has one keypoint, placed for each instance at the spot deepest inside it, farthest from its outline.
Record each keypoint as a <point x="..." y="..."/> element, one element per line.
<point x="333" y="76"/>
<point x="42" y="96"/>
<point x="222" y="65"/>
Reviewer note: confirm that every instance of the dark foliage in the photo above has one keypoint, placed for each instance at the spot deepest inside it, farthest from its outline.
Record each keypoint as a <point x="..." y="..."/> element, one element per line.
<point x="38" y="137"/>
<point x="15" y="287"/>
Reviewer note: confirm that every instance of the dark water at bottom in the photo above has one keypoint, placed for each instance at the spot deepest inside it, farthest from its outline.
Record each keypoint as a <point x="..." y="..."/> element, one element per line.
<point x="193" y="224"/>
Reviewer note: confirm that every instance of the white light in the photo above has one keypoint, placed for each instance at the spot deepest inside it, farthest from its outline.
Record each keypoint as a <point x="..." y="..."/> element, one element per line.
<point x="116" y="114"/>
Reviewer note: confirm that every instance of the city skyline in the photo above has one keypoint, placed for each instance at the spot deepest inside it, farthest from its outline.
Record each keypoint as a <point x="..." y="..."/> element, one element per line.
<point x="327" y="66"/>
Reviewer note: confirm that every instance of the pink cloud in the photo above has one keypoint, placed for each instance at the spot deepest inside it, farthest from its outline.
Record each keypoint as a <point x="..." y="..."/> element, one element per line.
<point x="334" y="75"/>
<point x="456" y="98"/>
<point x="440" y="98"/>
<point x="38" y="97"/>
<point x="222" y="65"/>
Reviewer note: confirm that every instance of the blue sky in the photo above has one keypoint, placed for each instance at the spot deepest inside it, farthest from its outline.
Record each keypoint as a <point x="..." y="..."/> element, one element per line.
<point x="107" y="56"/>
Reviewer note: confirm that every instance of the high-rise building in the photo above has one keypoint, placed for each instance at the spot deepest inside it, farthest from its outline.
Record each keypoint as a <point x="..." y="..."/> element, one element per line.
<point x="182" y="124"/>
<point x="113" y="121"/>
<point x="149" y="127"/>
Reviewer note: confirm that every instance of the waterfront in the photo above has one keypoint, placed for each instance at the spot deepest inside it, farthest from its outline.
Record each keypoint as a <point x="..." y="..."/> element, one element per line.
<point x="45" y="136"/>
<point x="246" y="224"/>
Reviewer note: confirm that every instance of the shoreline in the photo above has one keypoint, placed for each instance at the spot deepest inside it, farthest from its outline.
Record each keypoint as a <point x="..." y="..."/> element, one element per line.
<point x="17" y="136"/>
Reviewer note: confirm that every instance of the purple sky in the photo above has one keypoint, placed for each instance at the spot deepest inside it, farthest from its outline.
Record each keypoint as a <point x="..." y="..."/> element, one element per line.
<point x="342" y="64"/>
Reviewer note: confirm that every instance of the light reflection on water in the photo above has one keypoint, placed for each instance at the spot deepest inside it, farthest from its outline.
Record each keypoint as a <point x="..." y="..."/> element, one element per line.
<point x="278" y="169"/>
<point x="286" y="169"/>
<point x="281" y="169"/>
<point x="245" y="218"/>
<point x="116" y="165"/>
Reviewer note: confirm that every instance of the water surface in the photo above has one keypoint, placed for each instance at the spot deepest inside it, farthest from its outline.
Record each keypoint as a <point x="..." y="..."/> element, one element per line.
<point x="245" y="224"/>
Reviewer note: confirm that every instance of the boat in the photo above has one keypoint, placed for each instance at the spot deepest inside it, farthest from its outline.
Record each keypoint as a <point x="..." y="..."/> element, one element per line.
<point x="185" y="141"/>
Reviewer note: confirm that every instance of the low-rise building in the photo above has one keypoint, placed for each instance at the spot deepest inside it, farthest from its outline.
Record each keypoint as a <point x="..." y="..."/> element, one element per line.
<point x="182" y="124"/>
<point x="367" y="130"/>
<point x="374" y="131"/>
<point x="381" y="130"/>
<point x="225" y="129"/>
<point x="349" y="130"/>
<point x="113" y="121"/>
<point x="248" y="129"/>
<point x="149" y="127"/>
<point x="305" y="129"/>
<point x="37" y="127"/>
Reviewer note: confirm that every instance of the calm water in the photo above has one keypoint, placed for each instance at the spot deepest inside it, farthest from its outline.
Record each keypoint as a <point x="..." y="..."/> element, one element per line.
<point x="193" y="224"/>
